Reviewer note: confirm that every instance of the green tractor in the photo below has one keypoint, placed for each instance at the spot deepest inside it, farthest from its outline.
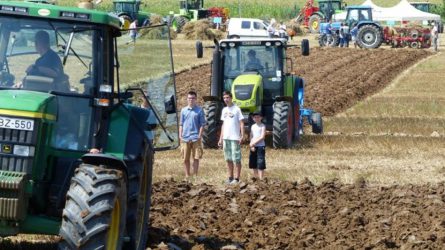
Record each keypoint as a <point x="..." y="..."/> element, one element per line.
<point x="270" y="89"/>
<point x="189" y="10"/>
<point x="128" y="11"/>
<point x="51" y="182"/>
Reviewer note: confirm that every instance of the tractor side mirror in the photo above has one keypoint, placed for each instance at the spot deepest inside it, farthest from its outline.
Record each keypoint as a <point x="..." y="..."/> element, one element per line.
<point x="305" y="47"/>
<point x="170" y="105"/>
<point x="199" y="49"/>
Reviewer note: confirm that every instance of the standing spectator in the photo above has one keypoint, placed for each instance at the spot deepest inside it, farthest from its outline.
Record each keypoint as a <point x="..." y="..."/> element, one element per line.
<point x="192" y="122"/>
<point x="257" y="156"/>
<point x="344" y="35"/>
<point x="133" y="31"/>
<point x="354" y="32"/>
<point x="435" y="36"/>
<point x="232" y="134"/>
<point x="328" y="31"/>
<point x="271" y="28"/>
<point x="282" y="30"/>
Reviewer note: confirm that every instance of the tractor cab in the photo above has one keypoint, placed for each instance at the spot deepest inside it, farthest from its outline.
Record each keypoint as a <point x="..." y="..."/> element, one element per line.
<point x="358" y="15"/>
<point x="254" y="71"/>
<point x="329" y="8"/>
<point x="193" y="9"/>
<point x="130" y="7"/>
<point x="70" y="85"/>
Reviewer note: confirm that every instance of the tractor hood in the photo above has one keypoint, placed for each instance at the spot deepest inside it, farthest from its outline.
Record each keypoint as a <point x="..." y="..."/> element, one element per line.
<point x="30" y="104"/>
<point x="247" y="92"/>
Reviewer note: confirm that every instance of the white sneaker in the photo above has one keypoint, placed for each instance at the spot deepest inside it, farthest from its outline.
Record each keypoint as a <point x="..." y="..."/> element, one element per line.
<point x="234" y="182"/>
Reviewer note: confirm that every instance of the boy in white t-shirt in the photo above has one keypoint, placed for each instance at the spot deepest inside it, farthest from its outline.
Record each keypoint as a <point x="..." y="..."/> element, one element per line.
<point x="257" y="157"/>
<point x="232" y="134"/>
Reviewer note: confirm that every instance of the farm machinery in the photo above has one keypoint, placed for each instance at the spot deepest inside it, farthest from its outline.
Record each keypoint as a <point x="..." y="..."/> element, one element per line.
<point x="50" y="183"/>
<point x="369" y="34"/>
<point x="272" y="89"/>
<point x="311" y="16"/>
<point x="128" y="11"/>
<point x="193" y="10"/>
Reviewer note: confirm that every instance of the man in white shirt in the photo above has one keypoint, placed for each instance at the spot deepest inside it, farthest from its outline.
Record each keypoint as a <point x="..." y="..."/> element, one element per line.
<point x="232" y="134"/>
<point x="435" y="35"/>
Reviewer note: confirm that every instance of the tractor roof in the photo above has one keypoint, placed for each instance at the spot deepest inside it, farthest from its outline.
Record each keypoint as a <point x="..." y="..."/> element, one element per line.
<point x="358" y="7"/>
<point x="49" y="11"/>
<point x="253" y="41"/>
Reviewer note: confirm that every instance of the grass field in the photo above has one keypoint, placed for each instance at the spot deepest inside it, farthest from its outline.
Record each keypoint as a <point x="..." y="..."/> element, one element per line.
<point x="284" y="9"/>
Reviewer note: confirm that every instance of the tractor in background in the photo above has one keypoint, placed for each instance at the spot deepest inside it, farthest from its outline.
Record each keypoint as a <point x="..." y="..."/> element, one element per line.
<point x="193" y="10"/>
<point x="128" y="11"/>
<point x="76" y="147"/>
<point x="311" y="16"/>
<point x="370" y="33"/>
<point x="272" y="89"/>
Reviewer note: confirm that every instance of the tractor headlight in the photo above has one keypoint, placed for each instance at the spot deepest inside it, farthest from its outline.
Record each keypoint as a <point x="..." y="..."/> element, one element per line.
<point x="277" y="44"/>
<point x="223" y="45"/>
<point x="23" y="150"/>
<point x="232" y="45"/>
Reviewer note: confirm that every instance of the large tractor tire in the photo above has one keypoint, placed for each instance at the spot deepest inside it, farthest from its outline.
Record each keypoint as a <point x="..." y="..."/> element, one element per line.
<point x="212" y="131"/>
<point x="95" y="209"/>
<point x="369" y="37"/>
<point x="317" y="123"/>
<point x="314" y="23"/>
<point x="328" y="41"/>
<point x="283" y="125"/>
<point x="178" y="23"/>
<point x="125" y="21"/>
<point x="139" y="197"/>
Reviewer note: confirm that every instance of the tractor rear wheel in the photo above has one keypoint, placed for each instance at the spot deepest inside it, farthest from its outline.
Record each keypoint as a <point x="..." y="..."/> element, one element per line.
<point x="178" y="23"/>
<point x="317" y="123"/>
<point x="212" y="130"/>
<point x="369" y="37"/>
<point x="283" y="125"/>
<point x="314" y="23"/>
<point x="139" y="196"/>
<point x="95" y="209"/>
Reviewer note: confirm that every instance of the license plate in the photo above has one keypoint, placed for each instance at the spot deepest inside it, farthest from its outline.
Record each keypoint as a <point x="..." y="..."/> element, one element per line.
<point x="14" y="123"/>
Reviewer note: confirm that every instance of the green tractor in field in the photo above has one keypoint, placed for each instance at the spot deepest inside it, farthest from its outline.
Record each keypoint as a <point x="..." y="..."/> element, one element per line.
<point x="269" y="88"/>
<point x="53" y="180"/>
<point x="189" y="10"/>
<point x="128" y="11"/>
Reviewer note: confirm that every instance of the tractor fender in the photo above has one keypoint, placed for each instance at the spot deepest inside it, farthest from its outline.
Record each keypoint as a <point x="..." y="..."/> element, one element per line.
<point x="104" y="159"/>
<point x="360" y="24"/>
<point x="211" y="98"/>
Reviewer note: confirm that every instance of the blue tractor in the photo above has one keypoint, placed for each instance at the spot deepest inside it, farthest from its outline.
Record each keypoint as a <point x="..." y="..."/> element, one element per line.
<point x="369" y="34"/>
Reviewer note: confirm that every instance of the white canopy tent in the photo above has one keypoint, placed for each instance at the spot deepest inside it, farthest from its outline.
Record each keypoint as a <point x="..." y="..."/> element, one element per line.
<point x="401" y="12"/>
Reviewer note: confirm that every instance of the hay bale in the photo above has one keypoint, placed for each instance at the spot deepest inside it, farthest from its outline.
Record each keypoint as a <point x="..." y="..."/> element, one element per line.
<point x="154" y="34"/>
<point x="156" y="19"/>
<point x="189" y="30"/>
<point x="173" y="34"/>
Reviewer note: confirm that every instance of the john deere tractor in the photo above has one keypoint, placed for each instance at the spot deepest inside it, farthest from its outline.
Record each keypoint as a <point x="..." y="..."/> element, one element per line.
<point x="76" y="148"/>
<point x="369" y="34"/>
<point x="128" y="11"/>
<point x="271" y="89"/>
<point x="189" y="10"/>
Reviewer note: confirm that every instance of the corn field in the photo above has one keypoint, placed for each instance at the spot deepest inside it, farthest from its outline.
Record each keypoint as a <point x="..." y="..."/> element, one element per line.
<point x="283" y="9"/>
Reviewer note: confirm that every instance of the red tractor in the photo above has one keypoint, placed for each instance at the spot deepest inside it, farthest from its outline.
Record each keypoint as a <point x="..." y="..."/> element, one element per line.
<point x="311" y="16"/>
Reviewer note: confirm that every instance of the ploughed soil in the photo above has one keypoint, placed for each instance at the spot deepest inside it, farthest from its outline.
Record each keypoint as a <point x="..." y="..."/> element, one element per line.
<point x="274" y="214"/>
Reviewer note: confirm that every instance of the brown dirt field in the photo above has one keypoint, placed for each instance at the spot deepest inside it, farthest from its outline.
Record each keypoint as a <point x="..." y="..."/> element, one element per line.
<point x="336" y="78"/>
<point x="282" y="215"/>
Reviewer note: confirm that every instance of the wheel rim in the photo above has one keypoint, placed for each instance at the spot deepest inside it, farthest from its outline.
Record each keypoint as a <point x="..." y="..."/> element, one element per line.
<point x="369" y="38"/>
<point x="113" y="231"/>
<point x="315" y="25"/>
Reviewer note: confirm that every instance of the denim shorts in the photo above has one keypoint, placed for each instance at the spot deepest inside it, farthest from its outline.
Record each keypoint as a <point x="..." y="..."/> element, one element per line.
<point x="232" y="151"/>
<point x="257" y="159"/>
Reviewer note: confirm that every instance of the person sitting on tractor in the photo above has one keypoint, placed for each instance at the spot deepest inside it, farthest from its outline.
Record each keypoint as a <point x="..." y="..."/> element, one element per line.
<point x="49" y="63"/>
<point x="254" y="63"/>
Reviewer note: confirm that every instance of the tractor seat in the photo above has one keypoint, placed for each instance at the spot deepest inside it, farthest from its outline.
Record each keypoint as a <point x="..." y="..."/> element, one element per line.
<point x="38" y="83"/>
